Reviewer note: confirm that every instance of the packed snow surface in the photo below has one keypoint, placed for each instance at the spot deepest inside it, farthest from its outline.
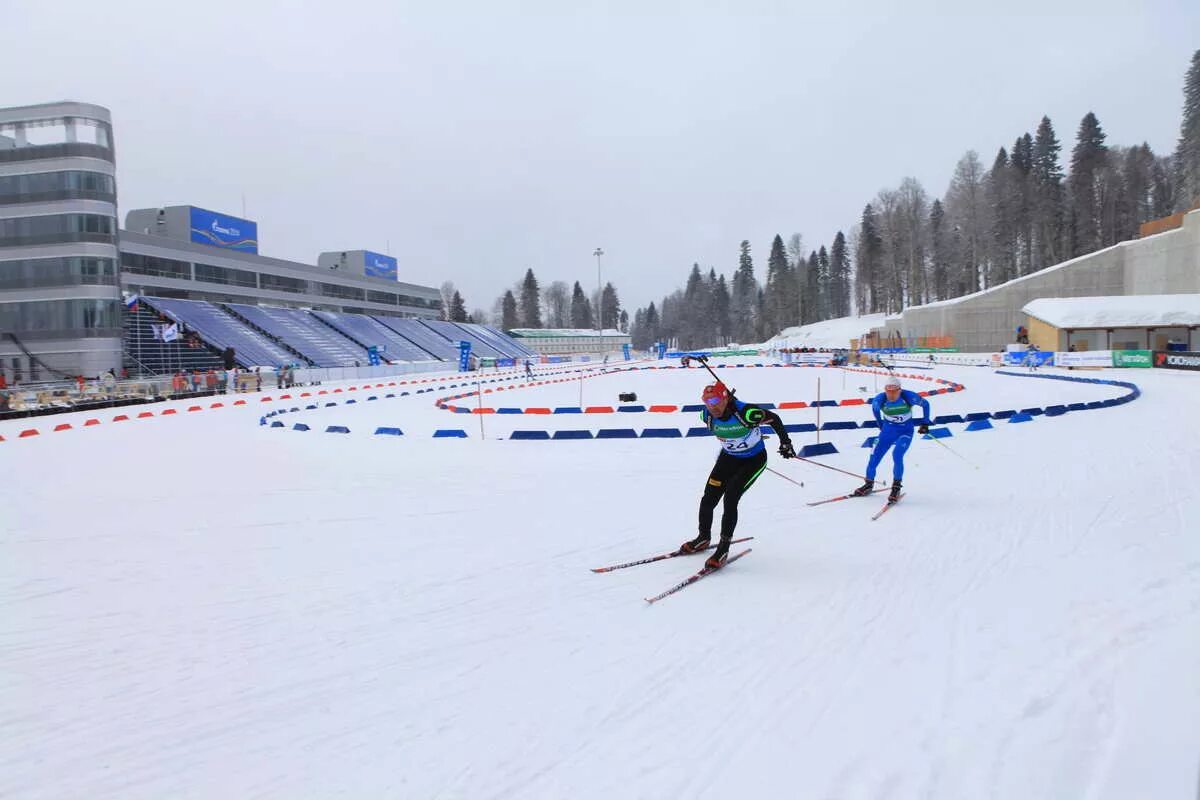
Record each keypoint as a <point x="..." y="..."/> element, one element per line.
<point x="831" y="333"/>
<point x="1116" y="312"/>
<point x="197" y="606"/>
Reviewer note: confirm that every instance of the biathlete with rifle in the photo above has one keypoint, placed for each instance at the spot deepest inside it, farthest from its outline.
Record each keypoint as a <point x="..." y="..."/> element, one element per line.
<point x="893" y="410"/>
<point x="742" y="459"/>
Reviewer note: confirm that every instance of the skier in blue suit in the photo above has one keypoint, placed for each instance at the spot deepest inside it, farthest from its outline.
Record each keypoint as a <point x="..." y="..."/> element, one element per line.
<point x="893" y="410"/>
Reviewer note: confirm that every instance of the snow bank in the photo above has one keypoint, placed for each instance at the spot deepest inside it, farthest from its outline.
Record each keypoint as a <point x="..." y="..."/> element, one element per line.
<point x="1116" y="312"/>
<point x="830" y="333"/>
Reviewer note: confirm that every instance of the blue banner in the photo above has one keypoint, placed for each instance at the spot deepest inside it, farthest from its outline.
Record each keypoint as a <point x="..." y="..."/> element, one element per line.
<point x="625" y="351"/>
<point x="464" y="356"/>
<point x="1029" y="358"/>
<point x="661" y="347"/>
<point x="380" y="266"/>
<point x="373" y="356"/>
<point x="506" y="362"/>
<point x="220" y="230"/>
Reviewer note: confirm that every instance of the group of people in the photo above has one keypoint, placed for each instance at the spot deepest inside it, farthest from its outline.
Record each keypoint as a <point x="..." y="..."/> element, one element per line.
<point x="743" y="457"/>
<point x="216" y="381"/>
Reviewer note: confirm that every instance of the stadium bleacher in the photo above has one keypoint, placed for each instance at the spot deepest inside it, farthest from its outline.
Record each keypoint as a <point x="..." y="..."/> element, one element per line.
<point x="457" y="333"/>
<point x="147" y="353"/>
<point x="316" y="341"/>
<point x="367" y="331"/>
<point x="221" y="330"/>
<point x="423" y="337"/>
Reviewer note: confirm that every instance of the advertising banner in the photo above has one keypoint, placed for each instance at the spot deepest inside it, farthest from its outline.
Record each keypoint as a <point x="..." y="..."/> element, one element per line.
<point x="1085" y="358"/>
<point x="625" y="351"/>
<point x="1132" y="358"/>
<point x="464" y="356"/>
<point x="373" y="356"/>
<point x="221" y="230"/>
<point x="1172" y="359"/>
<point x="1032" y="358"/>
<point x="377" y="265"/>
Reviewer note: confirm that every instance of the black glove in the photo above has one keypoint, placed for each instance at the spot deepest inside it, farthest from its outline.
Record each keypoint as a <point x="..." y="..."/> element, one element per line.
<point x="786" y="450"/>
<point x="924" y="428"/>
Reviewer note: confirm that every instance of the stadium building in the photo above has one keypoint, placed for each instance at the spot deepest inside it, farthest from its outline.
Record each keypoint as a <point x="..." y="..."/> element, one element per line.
<point x="80" y="295"/>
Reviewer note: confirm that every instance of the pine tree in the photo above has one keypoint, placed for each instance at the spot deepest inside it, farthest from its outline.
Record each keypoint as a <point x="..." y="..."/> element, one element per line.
<point x="779" y="303"/>
<point x="745" y="297"/>
<point x="721" y="307"/>
<point x="581" y="309"/>
<point x="868" y="263"/>
<point x="966" y="206"/>
<point x="824" y="284"/>
<point x="612" y="307"/>
<point x="1049" y="213"/>
<point x="941" y="252"/>
<point x="531" y="296"/>
<point x="1003" y="256"/>
<point x="812" y="290"/>
<point x="1088" y="159"/>
<point x="692" y="331"/>
<point x="839" y="270"/>
<point x="1187" y="152"/>
<point x="508" y="312"/>
<point x="623" y="321"/>
<point x="458" y="309"/>
<point x="1021" y="160"/>
<point x="653" y="334"/>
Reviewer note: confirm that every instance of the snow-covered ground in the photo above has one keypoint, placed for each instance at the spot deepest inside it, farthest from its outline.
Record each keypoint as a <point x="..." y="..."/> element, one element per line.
<point x="199" y="606"/>
<point x="830" y="333"/>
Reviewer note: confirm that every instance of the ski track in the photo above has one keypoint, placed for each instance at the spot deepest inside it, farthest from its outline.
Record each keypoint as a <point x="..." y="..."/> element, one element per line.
<point x="266" y="613"/>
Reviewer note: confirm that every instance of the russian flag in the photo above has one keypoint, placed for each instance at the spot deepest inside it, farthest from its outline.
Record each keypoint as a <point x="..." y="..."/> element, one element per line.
<point x="131" y="304"/>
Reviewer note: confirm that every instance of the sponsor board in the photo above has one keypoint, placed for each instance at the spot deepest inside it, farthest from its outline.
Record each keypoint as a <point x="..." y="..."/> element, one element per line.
<point x="1132" y="358"/>
<point x="377" y="265"/>
<point x="1085" y="358"/>
<point x="1173" y="359"/>
<point x="222" y="230"/>
<point x="1030" y="358"/>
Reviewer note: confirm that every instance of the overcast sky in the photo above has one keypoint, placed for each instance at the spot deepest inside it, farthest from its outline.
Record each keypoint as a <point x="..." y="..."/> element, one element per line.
<point x="477" y="139"/>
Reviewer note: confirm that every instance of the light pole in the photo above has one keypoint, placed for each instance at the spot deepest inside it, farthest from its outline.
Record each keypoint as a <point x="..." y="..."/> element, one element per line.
<point x="600" y="298"/>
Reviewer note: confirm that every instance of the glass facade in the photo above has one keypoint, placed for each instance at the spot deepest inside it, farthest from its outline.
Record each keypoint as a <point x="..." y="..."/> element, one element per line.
<point x="60" y="317"/>
<point x="38" y="273"/>
<point x="278" y="283"/>
<point x="48" y="186"/>
<point x="153" y="265"/>
<point x="57" y="228"/>
<point x="224" y="275"/>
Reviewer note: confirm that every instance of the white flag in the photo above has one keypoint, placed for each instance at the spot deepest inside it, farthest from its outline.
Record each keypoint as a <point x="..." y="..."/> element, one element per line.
<point x="170" y="332"/>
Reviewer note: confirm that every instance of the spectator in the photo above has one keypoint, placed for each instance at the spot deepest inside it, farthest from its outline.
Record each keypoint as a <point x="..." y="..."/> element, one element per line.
<point x="110" y="383"/>
<point x="3" y="381"/>
<point x="257" y="379"/>
<point x="195" y="380"/>
<point x="78" y="382"/>
<point x="210" y="381"/>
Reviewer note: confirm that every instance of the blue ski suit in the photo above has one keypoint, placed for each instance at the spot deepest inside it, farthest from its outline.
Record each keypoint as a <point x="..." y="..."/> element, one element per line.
<point x="896" y="428"/>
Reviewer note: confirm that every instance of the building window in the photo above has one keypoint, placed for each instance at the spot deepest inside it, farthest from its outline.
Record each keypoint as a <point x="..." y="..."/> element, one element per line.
<point x="381" y="297"/>
<point x="227" y="276"/>
<point x="342" y="292"/>
<point x="47" y="186"/>
<point x="38" y="273"/>
<point x="279" y="283"/>
<point x="153" y="265"/>
<point x="55" y="228"/>
<point x="60" y="316"/>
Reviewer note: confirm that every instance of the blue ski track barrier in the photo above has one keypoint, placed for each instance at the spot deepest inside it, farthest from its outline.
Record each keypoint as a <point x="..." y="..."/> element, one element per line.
<point x="975" y="420"/>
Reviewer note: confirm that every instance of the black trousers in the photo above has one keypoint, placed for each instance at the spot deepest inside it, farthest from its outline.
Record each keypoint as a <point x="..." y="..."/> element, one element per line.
<point x="730" y="478"/>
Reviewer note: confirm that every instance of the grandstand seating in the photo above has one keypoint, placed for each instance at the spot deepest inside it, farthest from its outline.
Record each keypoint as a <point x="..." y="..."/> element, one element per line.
<point x="367" y="332"/>
<point x="221" y="330"/>
<point x="422" y="336"/>
<point x="459" y="333"/>
<point x="506" y="345"/>
<point x="146" y="354"/>
<point x="316" y="341"/>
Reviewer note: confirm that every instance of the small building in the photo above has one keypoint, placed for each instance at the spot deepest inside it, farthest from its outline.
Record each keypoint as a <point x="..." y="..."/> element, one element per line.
<point x="1126" y="322"/>
<point x="569" y="341"/>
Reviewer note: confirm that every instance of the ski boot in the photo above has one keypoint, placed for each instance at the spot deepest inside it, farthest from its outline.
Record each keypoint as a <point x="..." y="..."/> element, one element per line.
<point x="717" y="559"/>
<point x="863" y="490"/>
<point x="895" y="493"/>
<point x="697" y="545"/>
